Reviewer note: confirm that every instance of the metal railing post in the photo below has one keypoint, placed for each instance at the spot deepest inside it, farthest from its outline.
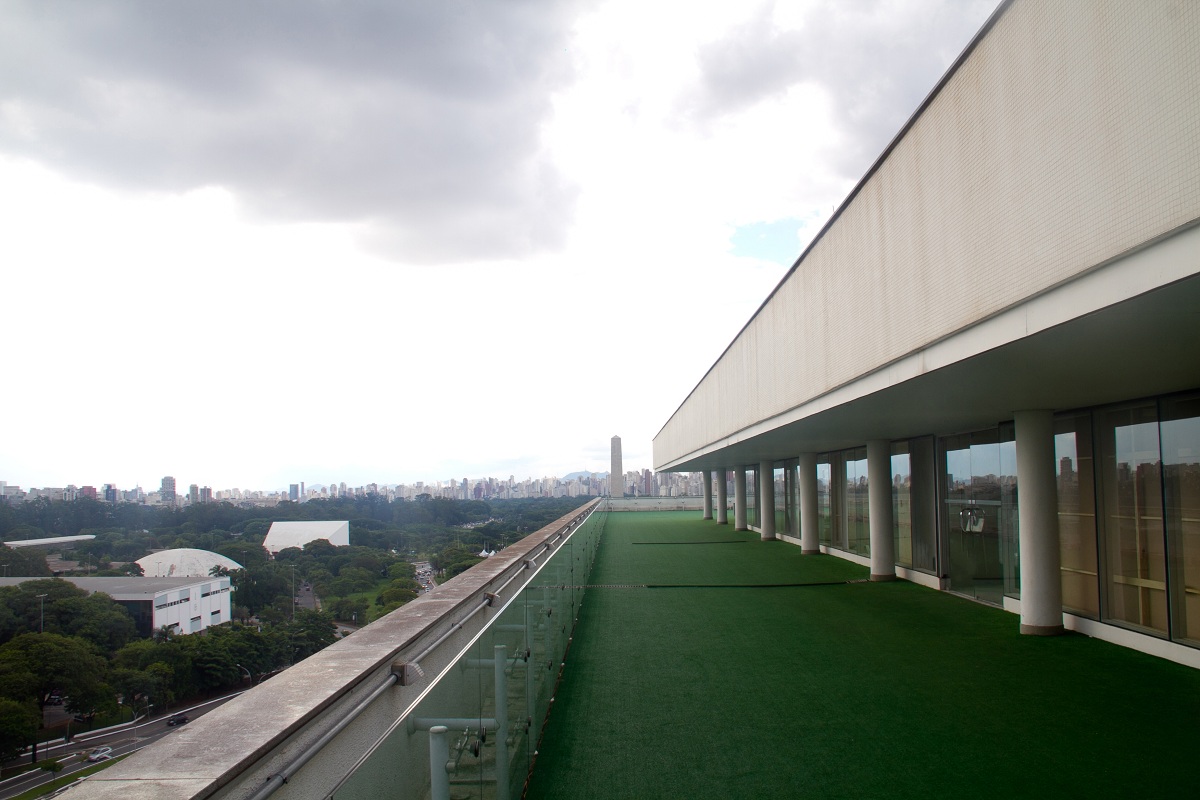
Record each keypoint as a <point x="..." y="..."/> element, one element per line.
<point x="439" y="756"/>
<point x="501" y="660"/>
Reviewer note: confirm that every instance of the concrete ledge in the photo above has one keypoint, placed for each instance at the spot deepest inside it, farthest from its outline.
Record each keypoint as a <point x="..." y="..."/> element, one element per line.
<point x="918" y="577"/>
<point x="1151" y="645"/>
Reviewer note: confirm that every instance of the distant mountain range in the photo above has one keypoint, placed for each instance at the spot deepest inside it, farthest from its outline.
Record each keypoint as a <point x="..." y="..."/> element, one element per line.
<point x="580" y="475"/>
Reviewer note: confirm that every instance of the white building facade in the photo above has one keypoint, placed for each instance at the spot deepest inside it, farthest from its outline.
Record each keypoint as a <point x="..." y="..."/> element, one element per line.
<point x="984" y="373"/>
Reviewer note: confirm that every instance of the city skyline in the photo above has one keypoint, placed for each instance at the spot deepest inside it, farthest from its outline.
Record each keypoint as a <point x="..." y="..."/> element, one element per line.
<point x="579" y="482"/>
<point x="243" y="251"/>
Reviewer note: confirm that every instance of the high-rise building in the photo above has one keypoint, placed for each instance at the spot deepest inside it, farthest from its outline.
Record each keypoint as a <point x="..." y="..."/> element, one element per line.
<point x="294" y="492"/>
<point x="167" y="491"/>
<point x="193" y="493"/>
<point x="110" y="493"/>
<point x="616" y="474"/>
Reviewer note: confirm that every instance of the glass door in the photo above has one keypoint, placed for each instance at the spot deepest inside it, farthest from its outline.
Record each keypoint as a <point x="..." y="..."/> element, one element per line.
<point x="979" y="514"/>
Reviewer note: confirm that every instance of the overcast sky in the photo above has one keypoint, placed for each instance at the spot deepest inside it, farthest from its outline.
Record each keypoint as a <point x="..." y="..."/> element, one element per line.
<point x="252" y="244"/>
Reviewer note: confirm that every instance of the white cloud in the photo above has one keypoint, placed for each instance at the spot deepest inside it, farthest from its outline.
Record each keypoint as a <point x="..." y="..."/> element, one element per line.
<point x="219" y="222"/>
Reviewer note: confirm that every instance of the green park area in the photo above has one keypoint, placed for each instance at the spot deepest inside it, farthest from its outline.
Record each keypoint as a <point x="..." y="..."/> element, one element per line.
<point x="707" y="663"/>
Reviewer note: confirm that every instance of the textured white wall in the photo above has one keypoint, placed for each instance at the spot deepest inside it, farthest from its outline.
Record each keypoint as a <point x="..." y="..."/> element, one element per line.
<point x="1066" y="138"/>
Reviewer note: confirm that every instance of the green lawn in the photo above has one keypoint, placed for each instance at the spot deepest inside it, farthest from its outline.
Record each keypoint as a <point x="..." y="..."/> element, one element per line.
<point x="697" y="674"/>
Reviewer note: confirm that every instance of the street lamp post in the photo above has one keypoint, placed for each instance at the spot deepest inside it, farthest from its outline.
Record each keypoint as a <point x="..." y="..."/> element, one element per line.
<point x="42" y="614"/>
<point x="293" y="566"/>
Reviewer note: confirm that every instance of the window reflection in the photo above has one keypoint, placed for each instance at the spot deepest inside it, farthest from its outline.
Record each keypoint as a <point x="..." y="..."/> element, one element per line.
<point x="1135" y="583"/>
<point x="1181" y="485"/>
<point x="1077" y="514"/>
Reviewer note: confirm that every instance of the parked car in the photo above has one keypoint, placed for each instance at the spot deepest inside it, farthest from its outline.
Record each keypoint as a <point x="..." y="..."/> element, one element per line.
<point x="177" y="719"/>
<point x="100" y="754"/>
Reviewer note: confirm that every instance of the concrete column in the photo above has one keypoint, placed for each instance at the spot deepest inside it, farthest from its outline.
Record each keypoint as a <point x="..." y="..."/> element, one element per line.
<point x="766" y="500"/>
<point x="879" y="491"/>
<point x="707" y="493"/>
<point x="739" y="499"/>
<point x="810" y="538"/>
<point x="1037" y="519"/>
<point x="722" y="497"/>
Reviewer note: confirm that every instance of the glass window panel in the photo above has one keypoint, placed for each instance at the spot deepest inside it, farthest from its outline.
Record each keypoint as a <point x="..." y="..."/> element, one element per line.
<point x="856" y="534"/>
<point x="924" y="503"/>
<point x="902" y="503"/>
<point x="780" y="489"/>
<point x="826" y="506"/>
<point x="1077" y="514"/>
<point x="751" y="497"/>
<point x="792" y="493"/>
<point x="1007" y="524"/>
<point x="1181" y="481"/>
<point x="1134" y="546"/>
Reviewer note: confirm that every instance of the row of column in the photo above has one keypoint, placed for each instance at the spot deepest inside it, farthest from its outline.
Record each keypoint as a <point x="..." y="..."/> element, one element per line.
<point x="1038" y="540"/>
<point x="879" y="455"/>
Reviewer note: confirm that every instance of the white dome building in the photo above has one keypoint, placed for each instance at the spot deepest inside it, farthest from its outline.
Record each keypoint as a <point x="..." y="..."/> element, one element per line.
<point x="184" y="562"/>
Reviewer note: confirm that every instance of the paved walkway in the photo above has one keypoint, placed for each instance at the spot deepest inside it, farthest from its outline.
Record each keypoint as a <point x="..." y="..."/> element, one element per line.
<point x="720" y="666"/>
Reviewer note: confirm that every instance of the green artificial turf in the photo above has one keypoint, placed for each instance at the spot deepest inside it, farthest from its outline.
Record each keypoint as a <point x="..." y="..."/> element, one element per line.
<point x="719" y="686"/>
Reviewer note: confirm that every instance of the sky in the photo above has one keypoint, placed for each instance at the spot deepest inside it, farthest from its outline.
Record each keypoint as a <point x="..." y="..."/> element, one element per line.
<point x="249" y="245"/>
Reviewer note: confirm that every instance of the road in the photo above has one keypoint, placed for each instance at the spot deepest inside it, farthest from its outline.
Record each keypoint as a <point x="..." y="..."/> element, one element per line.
<point x="73" y="755"/>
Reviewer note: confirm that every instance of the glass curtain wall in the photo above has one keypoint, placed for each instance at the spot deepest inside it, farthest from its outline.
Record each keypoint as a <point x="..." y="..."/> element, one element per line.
<point x="1135" y="588"/>
<point x="979" y="482"/>
<point x="1181" y="493"/>
<point x="792" y="493"/>
<point x="828" y="516"/>
<point x="902" y="523"/>
<point x="922" y="454"/>
<point x="843" y="502"/>
<point x="1075" y="476"/>
<point x="752" y="496"/>
<point x="780" y="489"/>
<point x="856" y="535"/>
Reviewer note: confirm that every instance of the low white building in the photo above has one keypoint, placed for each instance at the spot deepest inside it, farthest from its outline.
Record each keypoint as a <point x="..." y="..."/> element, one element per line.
<point x="185" y="605"/>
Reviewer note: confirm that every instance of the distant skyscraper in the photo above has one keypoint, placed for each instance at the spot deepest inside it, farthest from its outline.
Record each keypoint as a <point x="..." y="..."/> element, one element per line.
<point x="110" y="493"/>
<point x="194" y="493"/>
<point x="294" y="492"/>
<point x="616" y="475"/>
<point x="167" y="491"/>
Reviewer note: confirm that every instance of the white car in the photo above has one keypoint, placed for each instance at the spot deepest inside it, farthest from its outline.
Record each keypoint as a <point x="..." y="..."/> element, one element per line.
<point x="100" y="754"/>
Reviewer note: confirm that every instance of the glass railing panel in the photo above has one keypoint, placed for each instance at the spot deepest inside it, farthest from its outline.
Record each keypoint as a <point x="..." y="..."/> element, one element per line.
<point x="481" y="720"/>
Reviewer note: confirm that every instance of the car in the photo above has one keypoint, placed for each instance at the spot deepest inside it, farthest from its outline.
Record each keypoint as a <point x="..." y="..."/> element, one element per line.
<point x="100" y="754"/>
<point x="178" y="719"/>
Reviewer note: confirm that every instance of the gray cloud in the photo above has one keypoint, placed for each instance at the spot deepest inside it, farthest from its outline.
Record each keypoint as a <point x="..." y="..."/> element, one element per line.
<point x="419" y="119"/>
<point x="876" y="63"/>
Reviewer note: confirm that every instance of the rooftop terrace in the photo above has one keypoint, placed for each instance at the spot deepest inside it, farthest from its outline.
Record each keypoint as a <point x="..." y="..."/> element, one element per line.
<point x="707" y="663"/>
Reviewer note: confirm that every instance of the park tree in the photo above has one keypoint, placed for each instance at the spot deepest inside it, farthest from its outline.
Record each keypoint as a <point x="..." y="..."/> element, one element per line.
<point x="23" y="562"/>
<point x="35" y="665"/>
<point x="309" y="633"/>
<point x="98" y="619"/>
<point x="18" y="727"/>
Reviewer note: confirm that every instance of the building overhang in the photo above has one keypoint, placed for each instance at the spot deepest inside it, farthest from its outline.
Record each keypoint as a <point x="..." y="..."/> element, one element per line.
<point x="1102" y="338"/>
